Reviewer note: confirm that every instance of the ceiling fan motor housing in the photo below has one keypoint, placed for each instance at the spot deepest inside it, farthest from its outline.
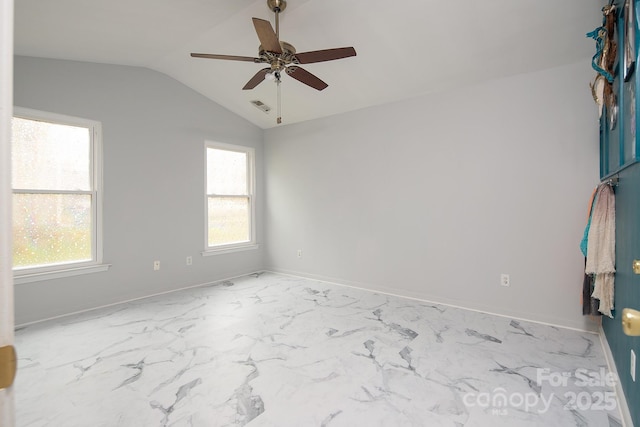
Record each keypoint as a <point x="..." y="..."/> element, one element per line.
<point x="279" y="61"/>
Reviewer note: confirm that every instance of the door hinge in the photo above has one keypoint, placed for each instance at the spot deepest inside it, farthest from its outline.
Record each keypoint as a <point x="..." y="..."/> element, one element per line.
<point x="8" y="366"/>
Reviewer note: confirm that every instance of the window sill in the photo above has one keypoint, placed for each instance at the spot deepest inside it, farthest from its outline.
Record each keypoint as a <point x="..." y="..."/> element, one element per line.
<point x="58" y="274"/>
<point x="230" y="249"/>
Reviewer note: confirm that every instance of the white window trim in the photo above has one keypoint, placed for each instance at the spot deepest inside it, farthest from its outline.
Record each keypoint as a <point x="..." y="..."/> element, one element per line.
<point x="232" y="247"/>
<point x="58" y="274"/>
<point x="55" y="271"/>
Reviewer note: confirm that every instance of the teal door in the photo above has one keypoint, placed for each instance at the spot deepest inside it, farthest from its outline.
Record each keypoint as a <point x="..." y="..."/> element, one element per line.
<point x="627" y="285"/>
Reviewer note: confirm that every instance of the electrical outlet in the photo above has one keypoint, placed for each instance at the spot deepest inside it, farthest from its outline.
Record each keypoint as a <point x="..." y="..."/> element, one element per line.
<point x="633" y="365"/>
<point x="189" y="260"/>
<point x="299" y="253"/>
<point x="505" y="280"/>
<point x="156" y="265"/>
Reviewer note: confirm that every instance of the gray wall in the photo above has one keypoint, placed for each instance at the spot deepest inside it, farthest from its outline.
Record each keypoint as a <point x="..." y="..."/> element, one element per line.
<point x="153" y="141"/>
<point x="432" y="197"/>
<point x="436" y="196"/>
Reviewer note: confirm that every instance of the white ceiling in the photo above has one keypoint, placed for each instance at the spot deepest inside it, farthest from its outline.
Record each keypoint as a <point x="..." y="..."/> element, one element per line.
<point x="404" y="48"/>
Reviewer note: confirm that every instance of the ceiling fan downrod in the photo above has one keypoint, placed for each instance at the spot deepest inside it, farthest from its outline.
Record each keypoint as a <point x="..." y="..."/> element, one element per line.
<point x="276" y="7"/>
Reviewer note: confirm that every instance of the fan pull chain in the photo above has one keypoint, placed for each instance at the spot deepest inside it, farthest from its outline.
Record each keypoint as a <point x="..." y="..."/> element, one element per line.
<point x="279" y="119"/>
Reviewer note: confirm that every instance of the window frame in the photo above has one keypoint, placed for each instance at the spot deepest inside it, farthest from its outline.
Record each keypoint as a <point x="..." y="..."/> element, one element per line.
<point x="251" y="195"/>
<point x="65" y="269"/>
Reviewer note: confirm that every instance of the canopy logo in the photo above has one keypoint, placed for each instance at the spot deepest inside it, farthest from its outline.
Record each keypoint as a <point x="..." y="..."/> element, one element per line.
<point x="594" y="398"/>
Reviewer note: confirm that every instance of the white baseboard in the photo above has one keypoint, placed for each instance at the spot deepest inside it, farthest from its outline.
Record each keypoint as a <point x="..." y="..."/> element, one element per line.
<point x="432" y="300"/>
<point x="86" y="310"/>
<point x="623" y="407"/>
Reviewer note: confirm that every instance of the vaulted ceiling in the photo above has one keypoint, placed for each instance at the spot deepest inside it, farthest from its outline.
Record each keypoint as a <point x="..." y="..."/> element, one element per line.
<point x="404" y="48"/>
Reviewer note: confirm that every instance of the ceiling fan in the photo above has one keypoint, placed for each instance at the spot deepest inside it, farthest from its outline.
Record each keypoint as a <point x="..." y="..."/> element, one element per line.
<point x="282" y="56"/>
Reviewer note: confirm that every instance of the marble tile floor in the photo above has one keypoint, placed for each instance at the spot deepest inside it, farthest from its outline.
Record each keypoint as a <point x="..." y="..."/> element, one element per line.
<point x="274" y="350"/>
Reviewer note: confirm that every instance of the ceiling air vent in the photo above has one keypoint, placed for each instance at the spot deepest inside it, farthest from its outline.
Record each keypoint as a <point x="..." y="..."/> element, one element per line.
<point x="261" y="105"/>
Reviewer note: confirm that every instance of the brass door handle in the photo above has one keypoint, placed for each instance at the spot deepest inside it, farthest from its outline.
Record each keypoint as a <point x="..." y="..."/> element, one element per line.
<point x="631" y="322"/>
<point x="8" y="366"/>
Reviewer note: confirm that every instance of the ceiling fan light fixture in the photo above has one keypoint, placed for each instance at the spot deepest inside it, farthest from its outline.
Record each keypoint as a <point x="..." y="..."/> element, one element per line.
<point x="273" y="76"/>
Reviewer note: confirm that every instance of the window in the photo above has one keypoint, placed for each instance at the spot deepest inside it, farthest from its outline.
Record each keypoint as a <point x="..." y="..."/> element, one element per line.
<point x="56" y="193"/>
<point x="229" y="198"/>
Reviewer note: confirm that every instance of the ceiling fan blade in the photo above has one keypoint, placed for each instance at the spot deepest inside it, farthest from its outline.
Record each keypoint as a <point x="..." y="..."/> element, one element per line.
<point x="306" y="77"/>
<point x="325" y="55"/>
<point x="256" y="79"/>
<point x="228" y="57"/>
<point x="267" y="36"/>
